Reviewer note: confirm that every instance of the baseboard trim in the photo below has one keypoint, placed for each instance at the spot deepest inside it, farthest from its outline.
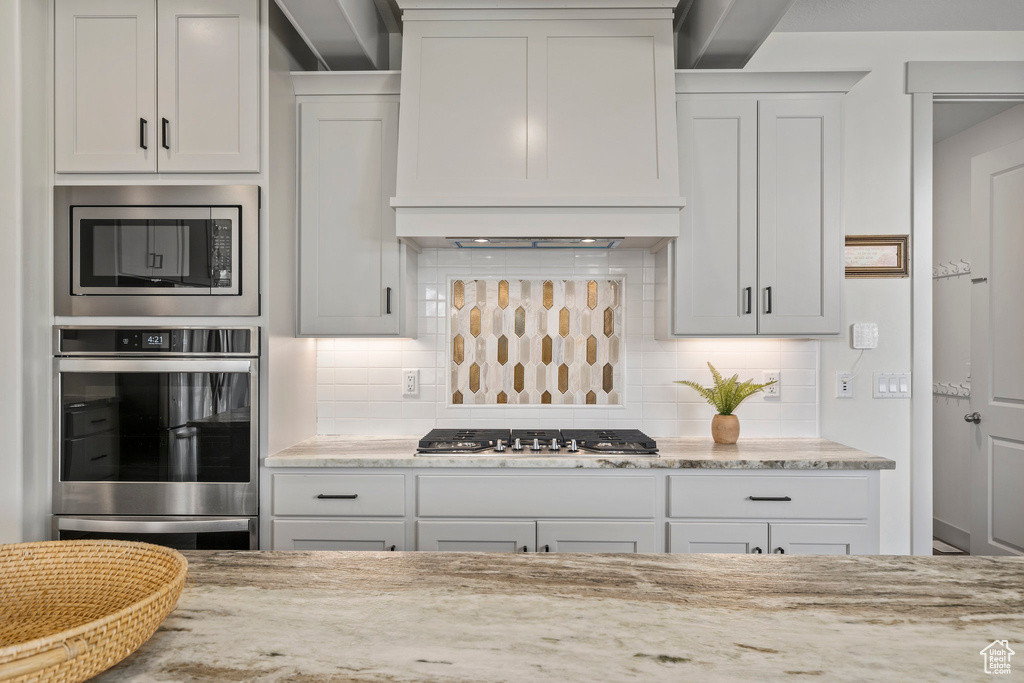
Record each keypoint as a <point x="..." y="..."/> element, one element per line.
<point x="954" y="536"/>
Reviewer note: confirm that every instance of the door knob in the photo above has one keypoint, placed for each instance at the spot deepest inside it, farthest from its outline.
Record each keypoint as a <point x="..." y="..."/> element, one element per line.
<point x="974" y="417"/>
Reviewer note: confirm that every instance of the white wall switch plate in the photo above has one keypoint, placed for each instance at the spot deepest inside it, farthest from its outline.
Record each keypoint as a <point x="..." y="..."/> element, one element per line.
<point x="865" y="335"/>
<point x="891" y="385"/>
<point x="410" y="382"/>
<point x="774" y="391"/>
<point x="844" y="385"/>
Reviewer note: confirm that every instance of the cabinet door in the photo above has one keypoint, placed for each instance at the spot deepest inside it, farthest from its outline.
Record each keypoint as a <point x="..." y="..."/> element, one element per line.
<point x="820" y="539"/>
<point x="717" y="537"/>
<point x="209" y="66"/>
<point x="349" y="258"/>
<point x="105" y="86"/>
<point x="507" y="537"/>
<point x="595" y="537"/>
<point x="715" y="261"/>
<point x="338" y="535"/>
<point x="800" y="230"/>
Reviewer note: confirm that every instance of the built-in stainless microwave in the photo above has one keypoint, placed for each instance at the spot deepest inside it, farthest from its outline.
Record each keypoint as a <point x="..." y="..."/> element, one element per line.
<point x="157" y="250"/>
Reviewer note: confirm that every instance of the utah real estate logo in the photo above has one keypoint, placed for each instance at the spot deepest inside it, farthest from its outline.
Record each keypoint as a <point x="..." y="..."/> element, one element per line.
<point x="997" y="657"/>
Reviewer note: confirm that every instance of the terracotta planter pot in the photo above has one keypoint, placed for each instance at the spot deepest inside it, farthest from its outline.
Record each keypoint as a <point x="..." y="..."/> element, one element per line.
<point x="725" y="428"/>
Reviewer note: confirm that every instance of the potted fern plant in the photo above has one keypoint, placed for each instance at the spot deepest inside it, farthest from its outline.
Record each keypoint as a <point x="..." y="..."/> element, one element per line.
<point x="726" y="395"/>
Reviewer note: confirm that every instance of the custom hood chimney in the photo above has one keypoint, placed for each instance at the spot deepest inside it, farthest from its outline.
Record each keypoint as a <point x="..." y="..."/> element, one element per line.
<point x="533" y="123"/>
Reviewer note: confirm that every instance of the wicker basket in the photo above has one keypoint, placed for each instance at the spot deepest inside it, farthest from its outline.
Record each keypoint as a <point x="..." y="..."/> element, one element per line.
<point x="71" y="609"/>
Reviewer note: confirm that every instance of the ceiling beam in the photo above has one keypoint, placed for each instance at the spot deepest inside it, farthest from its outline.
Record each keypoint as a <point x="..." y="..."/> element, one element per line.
<point x="724" y="34"/>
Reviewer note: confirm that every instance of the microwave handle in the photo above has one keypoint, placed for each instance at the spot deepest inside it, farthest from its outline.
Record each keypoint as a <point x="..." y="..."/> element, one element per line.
<point x="166" y="526"/>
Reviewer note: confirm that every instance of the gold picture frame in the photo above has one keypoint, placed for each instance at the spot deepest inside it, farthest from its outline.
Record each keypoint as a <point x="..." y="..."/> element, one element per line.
<point x="877" y="256"/>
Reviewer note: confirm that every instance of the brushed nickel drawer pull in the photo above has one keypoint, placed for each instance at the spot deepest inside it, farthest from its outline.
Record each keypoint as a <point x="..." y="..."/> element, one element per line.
<point x="776" y="499"/>
<point x="338" y="496"/>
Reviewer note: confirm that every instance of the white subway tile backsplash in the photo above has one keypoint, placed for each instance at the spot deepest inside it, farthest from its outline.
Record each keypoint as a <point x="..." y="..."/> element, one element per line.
<point x="359" y="380"/>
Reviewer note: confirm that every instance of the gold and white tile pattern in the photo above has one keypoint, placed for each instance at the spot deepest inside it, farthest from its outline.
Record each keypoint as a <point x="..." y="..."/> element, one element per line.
<point x="530" y="342"/>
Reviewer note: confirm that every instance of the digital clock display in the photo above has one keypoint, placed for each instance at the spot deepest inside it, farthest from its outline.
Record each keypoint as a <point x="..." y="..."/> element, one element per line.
<point x="155" y="340"/>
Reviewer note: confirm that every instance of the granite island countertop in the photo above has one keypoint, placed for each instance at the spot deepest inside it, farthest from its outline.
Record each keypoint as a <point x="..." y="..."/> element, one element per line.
<point x="674" y="453"/>
<point x="322" y="616"/>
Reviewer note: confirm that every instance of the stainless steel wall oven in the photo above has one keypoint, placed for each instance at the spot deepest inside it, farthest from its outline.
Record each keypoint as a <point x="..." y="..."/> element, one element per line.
<point x="148" y="250"/>
<point x="156" y="432"/>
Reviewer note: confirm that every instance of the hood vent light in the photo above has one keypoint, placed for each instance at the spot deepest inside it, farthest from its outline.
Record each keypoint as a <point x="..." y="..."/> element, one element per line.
<point x="535" y="242"/>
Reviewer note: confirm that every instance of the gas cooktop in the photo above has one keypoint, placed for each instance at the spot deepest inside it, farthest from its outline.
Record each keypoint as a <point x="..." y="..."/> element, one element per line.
<point x="537" y="442"/>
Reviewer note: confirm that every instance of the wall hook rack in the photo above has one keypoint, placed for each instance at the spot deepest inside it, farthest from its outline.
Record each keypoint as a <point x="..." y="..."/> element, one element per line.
<point x="951" y="269"/>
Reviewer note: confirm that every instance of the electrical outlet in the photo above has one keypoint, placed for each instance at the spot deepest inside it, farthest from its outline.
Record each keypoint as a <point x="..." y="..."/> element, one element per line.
<point x="844" y="385"/>
<point x="774" y="391"/>
<point x="410" y="382"/>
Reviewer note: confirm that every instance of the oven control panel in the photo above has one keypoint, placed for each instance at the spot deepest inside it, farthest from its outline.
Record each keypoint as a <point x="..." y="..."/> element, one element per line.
<point x="149" y="341"/>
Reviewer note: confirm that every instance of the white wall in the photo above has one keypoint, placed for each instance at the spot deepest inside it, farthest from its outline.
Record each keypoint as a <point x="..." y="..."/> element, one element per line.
<point x="877" y="200"/>
<point x="24" y="245"/>
<point x="359" y="381"/>
<point x="291" y="361"/>
<point x="952" y="311"/>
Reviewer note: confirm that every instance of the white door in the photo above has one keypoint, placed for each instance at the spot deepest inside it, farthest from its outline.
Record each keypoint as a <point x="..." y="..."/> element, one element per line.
<point x="595" y="537"/>
<point x="209" y="66"/>
<point x="997" y="351"/>
<point x="715" y="257"/>
<point x="349" y="260"/>
<point x="800" y="236"/>
<point x="338" y="535"/>
<point x="105" y="86"/>
<point x="718" y="537"/>
<point x="819" y="539"/>
<point x="491" y="537"/>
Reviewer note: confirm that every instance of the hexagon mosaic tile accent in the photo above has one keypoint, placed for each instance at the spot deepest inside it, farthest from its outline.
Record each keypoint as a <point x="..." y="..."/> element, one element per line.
<point x="536" y="342"/>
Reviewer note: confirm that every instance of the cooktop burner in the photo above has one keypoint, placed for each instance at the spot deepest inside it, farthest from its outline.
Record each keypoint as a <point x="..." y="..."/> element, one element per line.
<point x="537" y="442"/>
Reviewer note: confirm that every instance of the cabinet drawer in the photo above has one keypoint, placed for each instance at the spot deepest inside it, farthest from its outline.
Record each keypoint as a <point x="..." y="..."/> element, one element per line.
<point x="339" y="495"/>
<point x="536" y="496"/>
<point x="810" y="496"/>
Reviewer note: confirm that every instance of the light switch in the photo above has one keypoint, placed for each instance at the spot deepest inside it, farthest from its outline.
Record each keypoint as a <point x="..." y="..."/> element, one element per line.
<point x="892" y="385"/>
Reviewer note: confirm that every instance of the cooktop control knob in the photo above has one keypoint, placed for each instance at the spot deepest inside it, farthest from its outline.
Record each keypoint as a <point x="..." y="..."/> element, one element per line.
<point x="536" y="445"/>
<point x="554" y="445"/>
<point x="500" y="447"/>
<point x="518" y="445"/>
<point x="573" y="448"/>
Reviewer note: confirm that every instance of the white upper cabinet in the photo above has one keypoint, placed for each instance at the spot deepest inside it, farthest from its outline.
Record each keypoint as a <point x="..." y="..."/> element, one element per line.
<point x="716" y="253"/>
<point x="761" y="240"/>
<point x="355" y="278"/>
<point x="105" y="86"/>
<point x="156" y="86"/>
<point x="800" y="233"/>
<point x="208" y="75"/>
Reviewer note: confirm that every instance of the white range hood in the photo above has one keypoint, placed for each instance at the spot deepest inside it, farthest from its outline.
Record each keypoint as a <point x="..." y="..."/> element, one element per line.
<point x="537" y="119"/>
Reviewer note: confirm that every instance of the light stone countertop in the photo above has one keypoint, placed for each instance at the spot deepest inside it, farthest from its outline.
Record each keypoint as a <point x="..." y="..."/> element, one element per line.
<point x="675" y="453"/>
<point x="323" y="616"/>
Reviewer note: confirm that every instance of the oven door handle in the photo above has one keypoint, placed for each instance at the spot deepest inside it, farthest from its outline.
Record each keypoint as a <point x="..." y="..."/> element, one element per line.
<point x="164" y="526"/>
<point x="151" y="365"/>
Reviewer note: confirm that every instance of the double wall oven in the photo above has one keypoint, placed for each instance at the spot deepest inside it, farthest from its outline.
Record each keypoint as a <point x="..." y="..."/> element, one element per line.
<point x="156" y="436"/>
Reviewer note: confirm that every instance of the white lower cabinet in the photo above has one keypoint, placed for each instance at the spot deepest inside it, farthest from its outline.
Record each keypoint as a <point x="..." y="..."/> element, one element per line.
<point x="463" y="536"/>
<point x="338" y="535"/>
<point x="717" y="537"/>
<point x="596" y="537"/>
<point x="781" y="538"/>
<point x="465" y="509"/>
<point x="542" y="536"/>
